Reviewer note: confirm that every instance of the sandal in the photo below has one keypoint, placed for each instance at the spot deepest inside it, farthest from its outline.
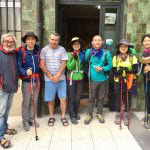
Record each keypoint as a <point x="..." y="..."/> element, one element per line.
<point x="11" y="132"/>
<point x="5" y="143"/>
<point x="64" y="122"/>
<point x="51" y="122"/>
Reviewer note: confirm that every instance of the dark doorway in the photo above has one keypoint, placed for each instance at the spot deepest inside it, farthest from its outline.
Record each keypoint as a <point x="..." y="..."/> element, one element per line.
<point x="78" y="20"/>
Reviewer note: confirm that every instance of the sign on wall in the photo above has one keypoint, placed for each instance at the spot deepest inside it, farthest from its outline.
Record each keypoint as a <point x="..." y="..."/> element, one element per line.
<point x="110" y="18"/>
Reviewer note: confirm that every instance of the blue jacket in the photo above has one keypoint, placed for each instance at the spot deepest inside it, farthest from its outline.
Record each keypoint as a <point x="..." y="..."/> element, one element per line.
<point x="28" y="60"/>
<point x="104" y="61"/>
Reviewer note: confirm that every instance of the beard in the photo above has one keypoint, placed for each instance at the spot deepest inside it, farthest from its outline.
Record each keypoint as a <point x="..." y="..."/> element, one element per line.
<point x="9" y="49"/>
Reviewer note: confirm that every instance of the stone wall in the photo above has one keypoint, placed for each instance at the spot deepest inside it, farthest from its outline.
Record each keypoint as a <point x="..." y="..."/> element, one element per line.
<point x="29" y="16"/>
<point x="138" y="20"/>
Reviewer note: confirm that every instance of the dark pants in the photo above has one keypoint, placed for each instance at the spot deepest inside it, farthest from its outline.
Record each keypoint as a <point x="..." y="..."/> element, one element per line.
<point x="98" y="90"/>
<point x="74" y="96"/>
<point x="124" y="97"/>
<point x="147" y="95"/>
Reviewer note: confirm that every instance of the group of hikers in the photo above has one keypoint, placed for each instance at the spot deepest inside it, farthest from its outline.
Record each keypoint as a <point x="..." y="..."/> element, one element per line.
<point x="28" y="61"/>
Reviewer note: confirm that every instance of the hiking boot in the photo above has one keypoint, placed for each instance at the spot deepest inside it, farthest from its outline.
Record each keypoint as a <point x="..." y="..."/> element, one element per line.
<point x="100" y="118"/>
<point x="78" y="117"/>
<point x="146" y="119"/>
<point x="26" y="126"/>
<point x="117" y="119"/>
<point x="74" y="121"/>
<point x="125" y="118"/>
<point x="88" y="119"/>
<point x="31" y="123"/>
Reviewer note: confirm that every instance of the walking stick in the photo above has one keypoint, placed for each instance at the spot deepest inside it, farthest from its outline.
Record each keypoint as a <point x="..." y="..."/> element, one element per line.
<point x="34" y="109"/>
<point x="127" y="101"/>
<point x="146" y="104"/>
<point x="121" y="111"/>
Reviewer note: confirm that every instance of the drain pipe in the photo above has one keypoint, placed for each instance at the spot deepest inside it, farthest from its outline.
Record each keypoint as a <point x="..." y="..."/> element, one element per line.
<point x="39" y="25"/>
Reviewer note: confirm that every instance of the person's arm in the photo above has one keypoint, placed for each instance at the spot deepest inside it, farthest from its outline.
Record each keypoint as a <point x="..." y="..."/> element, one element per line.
<point x="71" y="63"/>
<point x="145" y="60"/>
<point x="20" y="63"/>
<point x="44" y="69"/>
<point x="43" y="64"/>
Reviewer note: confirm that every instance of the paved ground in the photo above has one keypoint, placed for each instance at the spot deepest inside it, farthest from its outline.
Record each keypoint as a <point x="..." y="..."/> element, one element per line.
<point x="95" y="136"/>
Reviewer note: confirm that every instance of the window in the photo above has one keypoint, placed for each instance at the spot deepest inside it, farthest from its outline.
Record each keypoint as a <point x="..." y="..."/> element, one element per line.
<point x="10" y="18"/>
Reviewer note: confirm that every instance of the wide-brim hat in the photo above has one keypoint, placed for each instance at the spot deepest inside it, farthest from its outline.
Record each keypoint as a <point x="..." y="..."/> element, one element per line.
<point x="124" y="42"/>
<point x="29" y="34"/>
<point x="73" y="40"/>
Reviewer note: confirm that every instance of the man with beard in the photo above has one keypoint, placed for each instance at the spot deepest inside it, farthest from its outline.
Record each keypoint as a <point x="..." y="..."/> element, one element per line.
<point x="8" y="84"/>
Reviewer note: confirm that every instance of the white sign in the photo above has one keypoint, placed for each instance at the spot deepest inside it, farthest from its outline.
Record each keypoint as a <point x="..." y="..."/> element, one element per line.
<point x="10" y="4"/>
<point x="110" y="18"/>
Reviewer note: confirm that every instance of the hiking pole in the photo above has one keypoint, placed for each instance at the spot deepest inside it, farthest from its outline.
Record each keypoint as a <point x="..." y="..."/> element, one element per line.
<point x="127" y="102"/>
<point x="146" y="104"/>
<point x="120" y="101"/>
<point x="89" y="82"/>
<point x="34" y="110"/>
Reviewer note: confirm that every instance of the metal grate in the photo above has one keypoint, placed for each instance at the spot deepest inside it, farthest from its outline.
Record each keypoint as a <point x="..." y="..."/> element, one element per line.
<point x="10" y="18"/>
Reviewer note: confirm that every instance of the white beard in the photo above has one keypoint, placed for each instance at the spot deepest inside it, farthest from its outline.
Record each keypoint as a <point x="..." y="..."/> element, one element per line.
<point x="9" y="49"/>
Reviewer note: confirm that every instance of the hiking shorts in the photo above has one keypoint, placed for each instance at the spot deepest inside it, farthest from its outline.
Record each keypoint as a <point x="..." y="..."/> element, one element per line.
<point x="52" y="88"/>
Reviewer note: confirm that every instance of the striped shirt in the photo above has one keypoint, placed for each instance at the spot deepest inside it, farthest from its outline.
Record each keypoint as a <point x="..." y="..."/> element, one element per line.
<point x="53" y="60"/>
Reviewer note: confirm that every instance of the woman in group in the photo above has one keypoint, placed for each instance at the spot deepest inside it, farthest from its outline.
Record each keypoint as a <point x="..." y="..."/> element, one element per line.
<point x="125" y="69"/>
<point x="28" y="64"/>
<point x="75" y="77"/>
<point x="145" y="60"/>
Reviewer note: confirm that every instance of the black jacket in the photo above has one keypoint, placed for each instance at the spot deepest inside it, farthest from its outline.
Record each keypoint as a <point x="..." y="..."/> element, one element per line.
<point x="8" y="71"/>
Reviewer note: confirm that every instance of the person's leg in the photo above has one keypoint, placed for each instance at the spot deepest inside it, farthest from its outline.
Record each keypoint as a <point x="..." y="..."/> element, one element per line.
<point x="3" y="106"/>
<point x="91" y="102"/>
<point x="118" y="97"/>
<point x="9" y="104"/>
<point x="62" y="96"/>
<point x="50" y="92"/>
<point x="26" y="93"/>
<point x="100" y="99"/>
<point x="71" y="98"/>
<point x="79" y="89"/>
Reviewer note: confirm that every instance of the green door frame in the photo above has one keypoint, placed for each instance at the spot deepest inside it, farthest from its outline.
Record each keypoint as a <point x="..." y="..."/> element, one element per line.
<point x="104" y="5"/>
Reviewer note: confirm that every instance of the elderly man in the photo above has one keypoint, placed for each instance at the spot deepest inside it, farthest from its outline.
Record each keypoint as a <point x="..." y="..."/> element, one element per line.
<point x="53" y="62"/>
<point x="8" y="84"/>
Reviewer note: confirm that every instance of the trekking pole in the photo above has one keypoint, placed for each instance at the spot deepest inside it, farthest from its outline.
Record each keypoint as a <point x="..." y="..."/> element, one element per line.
<point x="146" y="104"/>
<point x="127" y="101"/>
<point x="34" y="110"/>
<point x="120" y="101"/>
<point x="89" y="81"/>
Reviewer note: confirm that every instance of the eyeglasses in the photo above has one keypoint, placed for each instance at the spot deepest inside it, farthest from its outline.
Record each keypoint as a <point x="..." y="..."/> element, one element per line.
<point x="9" y="42"/>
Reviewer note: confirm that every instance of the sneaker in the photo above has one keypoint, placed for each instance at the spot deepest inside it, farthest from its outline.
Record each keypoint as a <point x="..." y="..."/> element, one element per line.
<point x="26" y="126"/>
<point x="117" y="119"/>
<point x="78" y="117"/>
<point x="88" y="119"/>
<point x="74" y="120"/>
<point x="31" y="123"/>
<point x="100" y="118"/>
<point x="125" y="119"/>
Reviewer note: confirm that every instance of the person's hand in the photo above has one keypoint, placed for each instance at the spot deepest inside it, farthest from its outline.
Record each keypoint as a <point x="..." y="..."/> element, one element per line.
<point x="56" y="78"/>
<point x="98" y="69"/>
<point x="29" y="72"/>
<point x="120" y="71"/>
<point x="126" y="69"/>
<point x="75" y="56"/>
<point x="146" y="69"/>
